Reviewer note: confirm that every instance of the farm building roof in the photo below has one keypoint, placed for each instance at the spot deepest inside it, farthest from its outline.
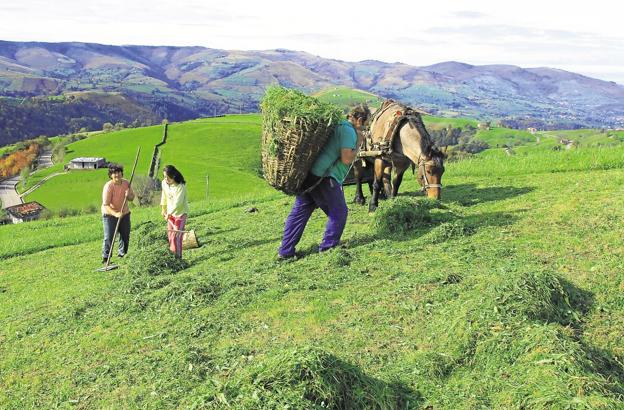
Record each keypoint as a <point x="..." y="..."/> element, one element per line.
<point x="87" y="159"/>
<point x="25" y="210"/>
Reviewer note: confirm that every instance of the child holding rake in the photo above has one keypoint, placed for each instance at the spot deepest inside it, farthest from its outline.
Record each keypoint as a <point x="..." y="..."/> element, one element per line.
<point x="174" y="204"/>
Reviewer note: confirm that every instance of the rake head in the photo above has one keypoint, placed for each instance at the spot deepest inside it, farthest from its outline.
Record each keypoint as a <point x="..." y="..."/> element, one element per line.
<point x="106" y="268"/>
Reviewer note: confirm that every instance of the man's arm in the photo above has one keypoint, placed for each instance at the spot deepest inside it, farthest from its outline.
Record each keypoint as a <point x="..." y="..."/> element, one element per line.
<point x="347" y="155"/>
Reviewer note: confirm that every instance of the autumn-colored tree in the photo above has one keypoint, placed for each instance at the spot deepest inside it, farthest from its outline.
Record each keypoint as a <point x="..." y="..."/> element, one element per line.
<point x="13" y="163"/>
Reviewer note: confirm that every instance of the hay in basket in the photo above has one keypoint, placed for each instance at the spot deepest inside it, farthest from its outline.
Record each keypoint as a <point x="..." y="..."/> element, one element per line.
<point x="295" y="128"/>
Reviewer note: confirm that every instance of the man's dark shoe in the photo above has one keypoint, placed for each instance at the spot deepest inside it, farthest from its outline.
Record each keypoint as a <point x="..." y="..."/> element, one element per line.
<point x="104" y="260"/>
<point x="121" y="255"/>
<point x="286" y="258"/>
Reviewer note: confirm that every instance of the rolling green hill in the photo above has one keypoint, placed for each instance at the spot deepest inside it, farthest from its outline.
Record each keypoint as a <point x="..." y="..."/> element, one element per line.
<point x="348" y="97"/>
<point x="224" y="149"/>
<point x="507" y="294"/>
<point x="222" y="154"/>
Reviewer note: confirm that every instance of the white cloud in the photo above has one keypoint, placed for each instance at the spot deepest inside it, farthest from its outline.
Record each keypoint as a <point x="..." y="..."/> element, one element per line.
<point x="562" y="34"/>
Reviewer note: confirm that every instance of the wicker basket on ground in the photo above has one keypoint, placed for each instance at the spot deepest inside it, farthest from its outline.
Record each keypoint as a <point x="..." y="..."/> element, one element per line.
<point x="295" y="128"/>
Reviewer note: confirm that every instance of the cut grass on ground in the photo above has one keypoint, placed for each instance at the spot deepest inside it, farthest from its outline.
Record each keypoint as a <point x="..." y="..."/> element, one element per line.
<point x="509" y="297"/>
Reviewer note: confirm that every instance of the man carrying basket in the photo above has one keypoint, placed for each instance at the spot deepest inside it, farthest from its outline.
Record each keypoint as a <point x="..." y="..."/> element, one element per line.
<point x="323" y="186"/>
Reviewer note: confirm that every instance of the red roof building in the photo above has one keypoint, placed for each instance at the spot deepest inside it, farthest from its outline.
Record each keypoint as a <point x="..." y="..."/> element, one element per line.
<point x="24" y="212"/>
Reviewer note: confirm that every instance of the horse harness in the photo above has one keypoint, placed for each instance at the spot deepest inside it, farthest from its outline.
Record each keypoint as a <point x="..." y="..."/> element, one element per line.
<point x="426" y="185"/>
<point x="383" y="146"/>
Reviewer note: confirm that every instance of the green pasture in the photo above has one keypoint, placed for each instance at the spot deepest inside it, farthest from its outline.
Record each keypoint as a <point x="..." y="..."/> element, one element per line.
<point x="434" y="122"/>
<point x="223" y="153"/>
<point x="220" y="157"/>
<point x="533" y="160"/>
<point x="498" y="137"/>
<point x="118" y="146"/>
<point x="347" y="97"/>
<point x="507" y="295"/>
<point x="589" y="137"/>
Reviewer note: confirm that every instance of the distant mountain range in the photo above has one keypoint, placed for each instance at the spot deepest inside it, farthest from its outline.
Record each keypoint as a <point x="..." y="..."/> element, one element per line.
<point x="185" y="82"/>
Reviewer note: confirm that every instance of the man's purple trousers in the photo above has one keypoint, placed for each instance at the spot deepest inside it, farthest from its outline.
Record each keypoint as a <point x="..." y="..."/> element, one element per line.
<point x="327" y="195"/>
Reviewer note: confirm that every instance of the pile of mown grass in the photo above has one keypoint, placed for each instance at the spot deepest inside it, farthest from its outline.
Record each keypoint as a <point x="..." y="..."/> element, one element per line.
<point x="402" y="216"/>
<point x="450" y="230"/>
<point x="152" y="256"/>
<point x="307" y="378"/>
<point x="513" y="343"/>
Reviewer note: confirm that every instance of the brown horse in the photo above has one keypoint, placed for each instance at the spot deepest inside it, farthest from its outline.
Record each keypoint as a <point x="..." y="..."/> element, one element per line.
<point x="404" y="141"/>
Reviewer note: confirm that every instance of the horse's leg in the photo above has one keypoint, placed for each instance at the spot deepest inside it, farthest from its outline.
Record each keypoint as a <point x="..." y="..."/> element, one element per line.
<point x="369" y="181"/>
<point x="399" y="169"/>
<point x="377" y="182"/>
<point x="358" y="173"/>
<point x="387" y="174"/>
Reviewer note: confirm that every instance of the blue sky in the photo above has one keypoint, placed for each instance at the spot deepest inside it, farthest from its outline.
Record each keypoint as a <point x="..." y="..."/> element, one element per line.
<point x="583" y="37"/>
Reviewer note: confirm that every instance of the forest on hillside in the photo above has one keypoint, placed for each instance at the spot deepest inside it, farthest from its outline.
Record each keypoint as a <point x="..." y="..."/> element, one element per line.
<point x="26" y="118"/>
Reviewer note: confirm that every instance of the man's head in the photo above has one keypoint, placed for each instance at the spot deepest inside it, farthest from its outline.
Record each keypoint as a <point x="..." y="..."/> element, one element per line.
<point x="115" y="171"/>
<point x="359" y="115"/>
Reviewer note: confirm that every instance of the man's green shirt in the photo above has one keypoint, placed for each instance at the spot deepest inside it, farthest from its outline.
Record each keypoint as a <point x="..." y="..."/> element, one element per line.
<point x="328" y="163"/>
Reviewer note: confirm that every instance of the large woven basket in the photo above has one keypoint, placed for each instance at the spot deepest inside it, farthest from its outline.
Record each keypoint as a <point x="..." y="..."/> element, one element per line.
<point x="289" y="148"/>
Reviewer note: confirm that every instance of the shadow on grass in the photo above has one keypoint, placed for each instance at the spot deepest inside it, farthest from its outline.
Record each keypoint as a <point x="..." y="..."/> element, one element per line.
<point x="469" y="194"/>
<point x="231" y="247"/>
<point x="474" y="223"/>
<point x="606" y="364"/>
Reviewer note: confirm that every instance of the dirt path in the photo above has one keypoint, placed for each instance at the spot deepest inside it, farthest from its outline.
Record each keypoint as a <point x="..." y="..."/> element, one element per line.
<point x="8" y="193"/>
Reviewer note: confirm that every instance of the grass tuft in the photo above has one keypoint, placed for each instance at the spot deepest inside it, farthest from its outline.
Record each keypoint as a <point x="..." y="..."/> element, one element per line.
<point x="450" y="230"/>
<point x="149" y="233"/>
<point x="154" y="260"/>
<point x="310" y="378"/>
<point x="402" y="216"/>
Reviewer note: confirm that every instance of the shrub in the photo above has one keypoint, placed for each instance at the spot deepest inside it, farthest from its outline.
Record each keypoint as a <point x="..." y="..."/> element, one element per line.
<point x="65" y="212"/>
<point x="456" y="155"/>
<point x="58" y="152"/>
<point x="402" y="216"/>
<point x="45" y="214"/>
<point x="90" y="209"/>
<point x="473" y="146"/>
<point x="145" y="189"/>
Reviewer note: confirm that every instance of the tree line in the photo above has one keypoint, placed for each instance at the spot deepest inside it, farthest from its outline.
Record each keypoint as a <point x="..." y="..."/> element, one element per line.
<point x="32" y="117"/>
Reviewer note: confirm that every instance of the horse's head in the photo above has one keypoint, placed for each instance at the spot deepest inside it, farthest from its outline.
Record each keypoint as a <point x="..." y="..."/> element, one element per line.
<point x="430" y="170"/>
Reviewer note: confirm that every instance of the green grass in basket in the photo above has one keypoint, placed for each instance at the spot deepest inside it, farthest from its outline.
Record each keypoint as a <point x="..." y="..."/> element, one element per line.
<point x="279" y="103"/>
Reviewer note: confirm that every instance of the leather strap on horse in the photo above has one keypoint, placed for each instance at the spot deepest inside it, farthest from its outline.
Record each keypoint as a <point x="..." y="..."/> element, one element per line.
<point x="402" y="114"/>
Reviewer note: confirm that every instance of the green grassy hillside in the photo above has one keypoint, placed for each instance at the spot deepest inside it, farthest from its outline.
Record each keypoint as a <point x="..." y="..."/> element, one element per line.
<point x="224" y="149"/>
<point x="347" y="97"/>
<point x="508" y="294"/>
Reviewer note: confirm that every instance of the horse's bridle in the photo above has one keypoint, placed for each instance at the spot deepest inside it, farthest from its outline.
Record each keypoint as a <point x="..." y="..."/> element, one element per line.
<point x="421" y="163"/>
